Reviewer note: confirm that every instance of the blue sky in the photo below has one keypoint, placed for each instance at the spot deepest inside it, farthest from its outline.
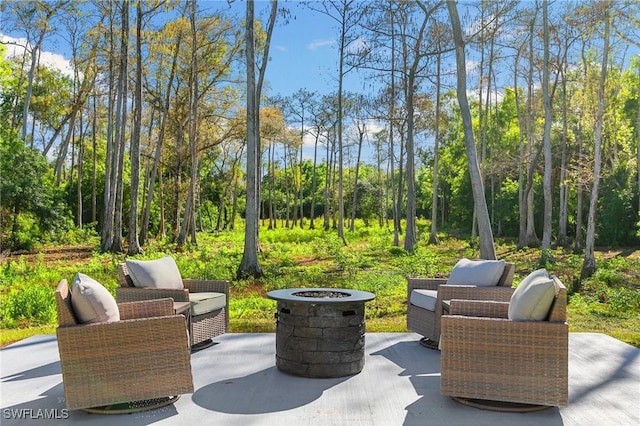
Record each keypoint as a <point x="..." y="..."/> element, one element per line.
<point x="304" y="53"/>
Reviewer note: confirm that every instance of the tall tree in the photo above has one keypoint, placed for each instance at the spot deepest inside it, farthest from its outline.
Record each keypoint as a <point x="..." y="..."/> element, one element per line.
<point x="249" y="265"/>
<point x="548" y="118"/>
<point x="188" y="222"/>
<point x="487" y="248"/>
<point x="589" y="263"/>
<point x="164" y="99"/>
<point x="411" y="75"/>
<point x="112" y="227"/>
<point x="347" y="15"/>
<point x="134" y="150"/>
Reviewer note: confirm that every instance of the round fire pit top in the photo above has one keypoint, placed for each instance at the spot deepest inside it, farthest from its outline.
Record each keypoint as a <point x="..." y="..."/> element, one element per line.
<point x="321" y="295"/>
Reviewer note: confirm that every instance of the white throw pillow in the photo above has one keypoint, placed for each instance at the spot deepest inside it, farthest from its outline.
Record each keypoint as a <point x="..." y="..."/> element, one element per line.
<point x="533" y="297"/>
<point x="92" y="302"/>
<point x="159" y="273"/>
<point x="482" y="273"/>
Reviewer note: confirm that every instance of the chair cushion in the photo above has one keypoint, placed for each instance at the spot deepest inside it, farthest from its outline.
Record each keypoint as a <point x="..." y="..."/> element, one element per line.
<point x="482" y="273"/>
<point x="425" y="299"/>
<point x="159" y="273"/>
<point x="205" y="302"/>
<point x="92" y="302"/>
<point x="533" y="297"/>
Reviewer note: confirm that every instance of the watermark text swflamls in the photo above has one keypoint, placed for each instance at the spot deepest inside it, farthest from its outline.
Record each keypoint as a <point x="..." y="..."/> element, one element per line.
<point x="35" y="414"/>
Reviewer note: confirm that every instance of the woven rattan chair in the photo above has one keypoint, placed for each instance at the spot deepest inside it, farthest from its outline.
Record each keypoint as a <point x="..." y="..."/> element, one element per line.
<point x="143" y="357"/>
<point x="203" y="327"/>
<point x="427" y="322"/>
<point x="487" y="357"/>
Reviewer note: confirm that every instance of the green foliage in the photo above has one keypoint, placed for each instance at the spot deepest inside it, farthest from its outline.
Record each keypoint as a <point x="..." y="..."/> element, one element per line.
<point x="252" y="306"/>
<point x="32" y="304"/>
<point x="617" y="212"/>
<point x="32" y="206"/>
<point x="368" y="262"/>
<point x="624" y="299"/>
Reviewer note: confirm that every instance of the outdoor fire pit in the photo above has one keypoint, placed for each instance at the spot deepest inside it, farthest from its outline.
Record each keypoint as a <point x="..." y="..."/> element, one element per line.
<point x="320" y="331"/>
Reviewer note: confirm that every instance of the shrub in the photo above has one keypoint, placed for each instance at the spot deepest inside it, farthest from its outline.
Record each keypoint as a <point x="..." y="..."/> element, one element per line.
<point x="624" y="299"/>
<point x="34" y="304"/>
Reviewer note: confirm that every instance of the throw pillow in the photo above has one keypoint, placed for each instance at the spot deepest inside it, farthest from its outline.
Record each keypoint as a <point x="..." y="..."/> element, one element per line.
<point x="92" y="302"/>
<point x="532" y="299"/>
<point x="482" y="273"/>
<point x="159" y="273"/>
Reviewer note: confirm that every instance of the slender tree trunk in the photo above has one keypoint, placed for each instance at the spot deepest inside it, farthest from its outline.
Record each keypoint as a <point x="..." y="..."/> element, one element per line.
<point x="487" y="249"/>
<point x="341" y="74"/>
<point x="121" y="126"/>
<point x="531" y="237"/>
<point x="400" y="186"/>
<point x="146" y="214"/>
<point x="392" y="112"/>
<point x="80" y="175"/>
<point x="522" y="199"/>
<point x="564" y="190"/>
<point x="300" y="189"/>
<point x="589" y="264"/>
<point x="579" y="242"/>
<point x="433" y="236"/>
<point x="314" y="184"/>
<point x="134" y="149"/>
<point x="271" y="181"/>
<point x="548" y="117"/>
<point x="249" y="265"/>
<point x="188" y="222"/>
<point x="354" y="202"/>
<point x="109" y="176"/>
<point x="94" y="163"/>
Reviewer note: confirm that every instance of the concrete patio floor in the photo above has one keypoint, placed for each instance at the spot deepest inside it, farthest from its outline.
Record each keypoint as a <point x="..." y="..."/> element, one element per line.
<point x="237" y="383"/>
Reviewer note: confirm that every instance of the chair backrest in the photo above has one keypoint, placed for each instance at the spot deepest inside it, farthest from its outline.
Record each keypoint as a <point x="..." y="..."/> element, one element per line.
<point x="506" y="280"/>
<point x="558" y="310"/>
<point x="63" y="305"/>
<point x="124" y="279"/>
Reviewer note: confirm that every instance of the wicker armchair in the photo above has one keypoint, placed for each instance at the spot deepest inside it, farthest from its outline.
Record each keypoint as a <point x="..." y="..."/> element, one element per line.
<point x="486" y="356"/>
<point x="427" y="322"/>
<point x="144" y="356"/>
<point x="203" y="327"/>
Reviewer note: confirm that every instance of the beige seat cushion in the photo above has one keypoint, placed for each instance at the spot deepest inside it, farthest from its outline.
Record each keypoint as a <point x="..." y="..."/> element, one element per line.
<point x="533" y="297"/>
<point x="425" y="299"/>
<point x="203" y="303"/>
<point x="481" y="273"/>
<point x="159" y="273"/>
<point x="92" y="302"/>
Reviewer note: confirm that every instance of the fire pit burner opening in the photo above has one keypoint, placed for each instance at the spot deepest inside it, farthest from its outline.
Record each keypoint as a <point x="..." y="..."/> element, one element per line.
<point x="321" y="293"/>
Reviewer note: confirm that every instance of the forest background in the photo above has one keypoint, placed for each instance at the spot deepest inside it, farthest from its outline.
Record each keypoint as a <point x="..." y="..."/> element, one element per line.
<point x="142" y="150"/>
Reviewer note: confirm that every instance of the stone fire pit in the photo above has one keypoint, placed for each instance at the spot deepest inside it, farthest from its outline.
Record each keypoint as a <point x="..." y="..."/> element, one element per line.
<point x="320" y="331"/>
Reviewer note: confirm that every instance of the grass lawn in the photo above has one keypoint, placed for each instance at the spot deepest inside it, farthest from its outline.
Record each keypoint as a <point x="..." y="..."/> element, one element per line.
<point x="609" y="302"/>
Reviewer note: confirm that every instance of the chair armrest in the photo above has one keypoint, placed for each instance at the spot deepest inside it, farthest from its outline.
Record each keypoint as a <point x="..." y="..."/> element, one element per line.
<point x="424" y="284"/>
<point x="491" y="333"/>
<point x="134" y="294"/>
<point x="146" y="309"/>
<point x="450" y="292"/>
<point x="126" y="335"/>
<point x="201" y="286"/>
<point x="479" y="308"/>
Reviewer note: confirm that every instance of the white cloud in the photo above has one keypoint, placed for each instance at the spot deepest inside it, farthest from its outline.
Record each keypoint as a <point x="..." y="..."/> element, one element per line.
<point x="16" y="47"/>
<point x="317" y="44"/>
